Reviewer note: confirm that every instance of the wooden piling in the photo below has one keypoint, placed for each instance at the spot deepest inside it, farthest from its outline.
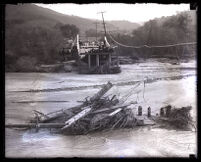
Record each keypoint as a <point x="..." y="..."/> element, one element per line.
<point x="97" y="60"/>
<point x="149" y="112"/>
<point x="109" y="59"/>
<point x="162" y="112"/>
<point x="89" y="61"/>
<point x="139" y="111"/>
<point x="168" y="110"/>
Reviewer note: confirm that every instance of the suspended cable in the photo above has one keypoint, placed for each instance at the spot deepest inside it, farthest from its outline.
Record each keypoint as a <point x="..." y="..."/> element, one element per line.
<point x="123" y="44"/>
<point x="146" y="46"/>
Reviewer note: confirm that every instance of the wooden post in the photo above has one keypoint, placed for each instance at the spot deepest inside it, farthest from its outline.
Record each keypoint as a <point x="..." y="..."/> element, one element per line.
<point x="89" y="61"/>
<point x="109" y="58"/>
<point x="168" y="110"/>
<point x="149" y="112"/>
<point x="161" y="112"/>
<point x="97" y="60"/>
<point x="139" y="111"/>
<point x="78" y="44"/>
<point x="118" y="60"/>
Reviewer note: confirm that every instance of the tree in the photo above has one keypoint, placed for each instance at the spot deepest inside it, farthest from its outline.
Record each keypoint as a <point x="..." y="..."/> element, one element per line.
<point x="164" y="31"/>
<point x="26" y="64"/>
<point x="69" y="31"/>
<point x="40" y="44"/>
<point x="93" y="33"/>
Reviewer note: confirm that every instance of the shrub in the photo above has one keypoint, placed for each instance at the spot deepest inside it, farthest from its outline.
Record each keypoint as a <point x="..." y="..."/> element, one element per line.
<point x="26" y="64"/>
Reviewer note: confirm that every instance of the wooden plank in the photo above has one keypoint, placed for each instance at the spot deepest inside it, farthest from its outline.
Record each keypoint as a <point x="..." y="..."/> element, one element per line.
<point x="144" y="120"/>
<point x="101" y="53"/>
<point x="33" y="125"/>
<point x="115" y="112"/>
<point x="111" y="108"/>
<point x="149" y="122"/>
<point x="77" y="117"/>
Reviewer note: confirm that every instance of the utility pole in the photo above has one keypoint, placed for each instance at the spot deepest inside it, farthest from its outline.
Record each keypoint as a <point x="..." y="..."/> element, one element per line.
<point x="103" y="22"/>
<point x="96" y="23"/>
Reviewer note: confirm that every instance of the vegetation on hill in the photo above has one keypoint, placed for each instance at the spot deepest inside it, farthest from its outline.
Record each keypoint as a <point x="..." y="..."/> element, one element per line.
<point x="175" y="29"/>
<point x="33" y="38"/>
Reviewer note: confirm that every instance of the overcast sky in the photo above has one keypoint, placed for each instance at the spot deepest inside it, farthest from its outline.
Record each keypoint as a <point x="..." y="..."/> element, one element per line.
<point x="118" y="11"/>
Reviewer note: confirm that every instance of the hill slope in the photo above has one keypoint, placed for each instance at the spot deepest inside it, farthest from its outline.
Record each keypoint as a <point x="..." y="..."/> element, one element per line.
<point x="35" y="15"/>
<point x="124" y="25"/>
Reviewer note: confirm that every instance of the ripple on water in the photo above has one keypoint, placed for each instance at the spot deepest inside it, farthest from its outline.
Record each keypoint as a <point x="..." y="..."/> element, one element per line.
<point x="42" y="135"/>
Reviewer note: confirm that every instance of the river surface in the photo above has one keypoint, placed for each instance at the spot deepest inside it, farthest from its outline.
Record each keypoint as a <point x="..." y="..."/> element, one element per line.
<point x="139" y="142"/>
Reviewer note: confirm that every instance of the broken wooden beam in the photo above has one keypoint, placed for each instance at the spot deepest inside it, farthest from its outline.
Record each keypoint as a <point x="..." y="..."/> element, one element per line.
<point x="77" y="117"/>
<point x="59" y="113"/>
<point x="49" y="116"/>
<point x="33" y="125"/>
<point x="100" y="93"/>
<point x="115" y="112"/>
<point x="110" y="108"/>
<point x="41" y="115"/>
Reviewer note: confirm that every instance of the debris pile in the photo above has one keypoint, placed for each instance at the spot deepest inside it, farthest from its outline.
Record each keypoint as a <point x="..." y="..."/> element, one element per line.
<point x="178" y="118"/>
<point x="101" y="112"/>
<point x="95" y="114"/>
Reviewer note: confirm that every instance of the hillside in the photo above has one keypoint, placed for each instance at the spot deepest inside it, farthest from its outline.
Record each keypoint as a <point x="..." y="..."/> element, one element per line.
<point x="163" y="31"/>
<point x="35" y="15"/>
<point x="29" y="13"/>
<point x="124" y="25"/>
<point x="191" y="14"/>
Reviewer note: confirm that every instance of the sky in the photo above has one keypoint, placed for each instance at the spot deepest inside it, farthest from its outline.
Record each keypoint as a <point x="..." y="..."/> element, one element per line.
<point x="118" y="11"/>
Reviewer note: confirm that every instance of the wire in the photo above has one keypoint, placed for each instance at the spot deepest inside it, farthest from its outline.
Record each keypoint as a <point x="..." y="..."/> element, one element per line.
<point x="123" y="44"/>
<point x="125" y="97"/>
<point x="144" y="89"/>
<point x="146" y="46"/>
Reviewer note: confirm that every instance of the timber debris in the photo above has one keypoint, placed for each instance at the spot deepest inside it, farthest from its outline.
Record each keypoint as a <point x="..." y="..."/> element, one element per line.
<point x="176" y="118"/>
<point x="100" y="112"/>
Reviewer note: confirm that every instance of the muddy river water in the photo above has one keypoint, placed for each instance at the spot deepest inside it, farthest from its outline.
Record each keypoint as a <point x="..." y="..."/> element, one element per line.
<point x="138" y="142"/>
